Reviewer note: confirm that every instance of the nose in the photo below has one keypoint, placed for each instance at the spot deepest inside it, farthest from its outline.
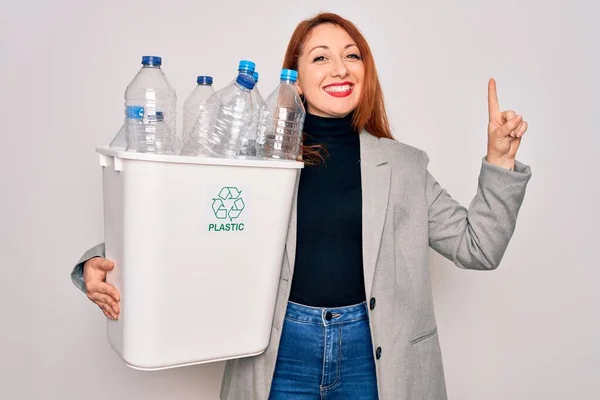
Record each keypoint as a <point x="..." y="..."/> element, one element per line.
<point x="338" y="69"/>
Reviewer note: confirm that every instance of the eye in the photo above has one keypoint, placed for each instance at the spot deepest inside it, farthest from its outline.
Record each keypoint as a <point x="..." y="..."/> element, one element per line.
<point x="319" y="58"/>
<point x="354" y="56"/>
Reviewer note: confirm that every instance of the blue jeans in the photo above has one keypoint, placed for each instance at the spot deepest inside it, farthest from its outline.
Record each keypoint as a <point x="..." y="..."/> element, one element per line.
<point x="325" y="353"/>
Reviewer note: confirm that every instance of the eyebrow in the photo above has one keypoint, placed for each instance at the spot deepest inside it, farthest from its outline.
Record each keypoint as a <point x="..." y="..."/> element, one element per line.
<point x="327" y="47"/>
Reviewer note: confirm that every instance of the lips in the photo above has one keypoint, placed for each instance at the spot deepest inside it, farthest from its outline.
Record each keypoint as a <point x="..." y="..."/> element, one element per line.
<point x="342" y="89"/>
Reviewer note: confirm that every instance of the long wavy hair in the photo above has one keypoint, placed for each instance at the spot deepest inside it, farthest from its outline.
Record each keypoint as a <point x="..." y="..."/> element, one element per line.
<point x="370" y="112"/>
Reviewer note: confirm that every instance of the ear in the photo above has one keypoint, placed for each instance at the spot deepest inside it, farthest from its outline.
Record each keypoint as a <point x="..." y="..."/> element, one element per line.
<point x="298" y="87"/>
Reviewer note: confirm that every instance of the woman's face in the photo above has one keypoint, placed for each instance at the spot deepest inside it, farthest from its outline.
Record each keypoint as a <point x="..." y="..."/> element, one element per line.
<point x="330" y="72"/>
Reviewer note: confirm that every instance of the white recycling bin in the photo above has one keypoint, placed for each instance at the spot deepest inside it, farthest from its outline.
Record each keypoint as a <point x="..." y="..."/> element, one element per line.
<point x="198" y="245"/>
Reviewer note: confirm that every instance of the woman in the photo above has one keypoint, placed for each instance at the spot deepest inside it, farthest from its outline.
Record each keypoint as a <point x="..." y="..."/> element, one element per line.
<point x="354" y="317"/>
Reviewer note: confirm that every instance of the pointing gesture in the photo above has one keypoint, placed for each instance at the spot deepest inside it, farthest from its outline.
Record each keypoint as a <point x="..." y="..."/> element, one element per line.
<point x="505" y="130"/>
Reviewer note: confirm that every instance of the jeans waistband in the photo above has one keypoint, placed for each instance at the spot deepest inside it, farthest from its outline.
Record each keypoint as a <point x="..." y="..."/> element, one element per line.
<point x="326" y="316"/>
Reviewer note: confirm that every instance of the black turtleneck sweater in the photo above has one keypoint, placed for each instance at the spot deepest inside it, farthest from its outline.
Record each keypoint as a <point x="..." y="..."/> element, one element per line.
<point x="328" y="270"/>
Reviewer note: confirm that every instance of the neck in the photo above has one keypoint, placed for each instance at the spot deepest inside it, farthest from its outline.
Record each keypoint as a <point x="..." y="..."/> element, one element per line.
<point x="328" y="126"/>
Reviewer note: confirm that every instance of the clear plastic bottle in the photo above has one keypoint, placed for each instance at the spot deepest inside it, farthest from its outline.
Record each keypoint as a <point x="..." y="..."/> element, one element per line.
<point x="280" y="133"/>
<point x="224" y="123"/>
<point x="150" y="110"/>
<point x="191" y="107"/>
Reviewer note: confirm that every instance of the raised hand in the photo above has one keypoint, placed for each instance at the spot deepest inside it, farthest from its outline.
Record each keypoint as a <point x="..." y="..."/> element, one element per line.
<point x="505" y="131"/>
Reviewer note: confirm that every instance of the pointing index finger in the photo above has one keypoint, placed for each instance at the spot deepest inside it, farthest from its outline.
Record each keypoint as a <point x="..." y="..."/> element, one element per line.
<point x="493" y="106"/>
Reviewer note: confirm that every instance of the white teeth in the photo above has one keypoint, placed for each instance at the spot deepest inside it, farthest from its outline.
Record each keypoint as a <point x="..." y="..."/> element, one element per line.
<point x="343" y="88"/>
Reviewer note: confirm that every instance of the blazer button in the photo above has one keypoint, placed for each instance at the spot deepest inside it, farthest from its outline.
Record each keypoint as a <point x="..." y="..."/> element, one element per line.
<point x="372" y="303"/>
<point x="378" y="353"/>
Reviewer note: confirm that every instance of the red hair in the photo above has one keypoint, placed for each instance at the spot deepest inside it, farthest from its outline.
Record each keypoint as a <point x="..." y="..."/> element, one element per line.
<point x="370" y="112"/>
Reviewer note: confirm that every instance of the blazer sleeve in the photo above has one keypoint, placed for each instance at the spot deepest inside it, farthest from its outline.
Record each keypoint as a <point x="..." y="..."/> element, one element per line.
<point x="477" y="237"/>
<point x="77" y="273"/>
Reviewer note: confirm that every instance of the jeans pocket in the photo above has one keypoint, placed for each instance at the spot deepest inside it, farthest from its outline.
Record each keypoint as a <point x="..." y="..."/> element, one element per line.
<point x="426" y="336"/>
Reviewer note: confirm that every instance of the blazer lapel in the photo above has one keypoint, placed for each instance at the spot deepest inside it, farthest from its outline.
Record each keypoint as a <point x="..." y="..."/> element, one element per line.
<point x="375" y="181"/>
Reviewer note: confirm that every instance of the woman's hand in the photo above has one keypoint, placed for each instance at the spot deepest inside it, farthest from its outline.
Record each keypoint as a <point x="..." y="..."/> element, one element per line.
<point x="505" y="131"/>
<point x="105" y="295"/>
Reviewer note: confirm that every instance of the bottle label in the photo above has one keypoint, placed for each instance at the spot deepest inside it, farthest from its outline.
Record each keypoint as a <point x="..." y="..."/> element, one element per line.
<point x="134" y="112"/>
<point x="158" y="116"/>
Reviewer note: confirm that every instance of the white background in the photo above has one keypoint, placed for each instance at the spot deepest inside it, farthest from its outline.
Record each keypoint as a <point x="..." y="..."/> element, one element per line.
<point x="529" y="330"/>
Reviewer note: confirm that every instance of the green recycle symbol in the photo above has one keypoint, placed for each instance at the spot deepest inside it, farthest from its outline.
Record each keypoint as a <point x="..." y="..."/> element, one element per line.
<point x="229" y="204"/>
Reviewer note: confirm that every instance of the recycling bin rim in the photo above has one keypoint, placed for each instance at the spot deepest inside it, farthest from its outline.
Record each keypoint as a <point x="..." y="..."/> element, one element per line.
<point x="179" y="159"/>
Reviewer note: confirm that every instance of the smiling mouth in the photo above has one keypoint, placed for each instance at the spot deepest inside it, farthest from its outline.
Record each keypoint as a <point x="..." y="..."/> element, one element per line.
<point x="339" y="89"/>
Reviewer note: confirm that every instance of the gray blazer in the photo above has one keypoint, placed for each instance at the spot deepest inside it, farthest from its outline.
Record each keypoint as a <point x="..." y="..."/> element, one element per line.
<point x="405" y="211"/>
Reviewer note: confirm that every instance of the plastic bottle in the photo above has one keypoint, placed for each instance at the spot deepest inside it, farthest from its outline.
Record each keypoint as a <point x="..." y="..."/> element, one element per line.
<point x="191" y="107"/>
<point x="281" y="125"/>
<point x="150" y="110"/>
<point x="224" y="123"/>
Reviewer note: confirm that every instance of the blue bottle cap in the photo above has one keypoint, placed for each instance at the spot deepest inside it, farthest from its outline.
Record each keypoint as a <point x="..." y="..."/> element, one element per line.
<point x="151" y="60"/>
<point x="289" y="75"/>
<point x="204" y="80"/>
<point x="255" y="76"/>
<point x="245" y="81"/>
<point x="246" y="66"/>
